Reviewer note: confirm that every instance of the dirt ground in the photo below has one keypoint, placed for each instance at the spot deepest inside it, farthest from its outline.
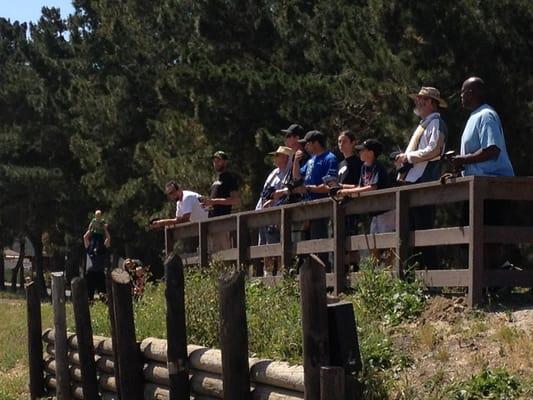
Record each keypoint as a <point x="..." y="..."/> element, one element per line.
<point x="449" y="343"/>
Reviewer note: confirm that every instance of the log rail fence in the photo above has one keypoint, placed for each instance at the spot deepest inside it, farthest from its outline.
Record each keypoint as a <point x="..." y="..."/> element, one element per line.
<point x="86" y="367"/>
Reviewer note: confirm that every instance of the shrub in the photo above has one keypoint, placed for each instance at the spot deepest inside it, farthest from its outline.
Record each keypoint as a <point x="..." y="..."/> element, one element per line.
<point x="495" y="384"/>
<point x="381" y="296"/>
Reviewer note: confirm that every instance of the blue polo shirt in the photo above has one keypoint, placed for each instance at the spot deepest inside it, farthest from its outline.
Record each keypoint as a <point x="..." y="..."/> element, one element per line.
<point x="484" y="129"/>
<point x="316" y="168"/>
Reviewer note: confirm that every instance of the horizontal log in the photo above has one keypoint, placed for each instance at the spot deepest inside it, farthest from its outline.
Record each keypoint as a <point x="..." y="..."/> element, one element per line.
<point x="440" y="237"/>
<point x="260" y="392"/>
<point x="106" y="364"/>
<point x="444" y="277"/>
<point x="103" y="345"/>
<point x="156" y="373"/>
<point x="108" y="383"/>
<point x="206" y="383"/>
<point x="267" y="372"/>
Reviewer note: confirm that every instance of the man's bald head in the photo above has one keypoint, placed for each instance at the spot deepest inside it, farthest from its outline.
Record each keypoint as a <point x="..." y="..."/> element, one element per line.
<point x="473" y="93"/>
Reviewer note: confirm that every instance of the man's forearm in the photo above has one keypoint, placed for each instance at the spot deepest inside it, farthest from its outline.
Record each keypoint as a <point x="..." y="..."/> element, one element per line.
<point x="481" y="155"/>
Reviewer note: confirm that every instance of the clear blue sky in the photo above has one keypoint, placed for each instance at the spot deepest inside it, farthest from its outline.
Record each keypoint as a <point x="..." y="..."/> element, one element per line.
<point x="30" y="10"/>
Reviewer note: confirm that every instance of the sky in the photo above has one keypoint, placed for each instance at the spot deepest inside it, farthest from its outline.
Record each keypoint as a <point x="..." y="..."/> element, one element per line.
<point x="30" y="10"/>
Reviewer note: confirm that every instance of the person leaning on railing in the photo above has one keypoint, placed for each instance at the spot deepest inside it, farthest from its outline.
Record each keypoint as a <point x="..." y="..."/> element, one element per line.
<point x="272" y="196"/>
<point x="373" y="177"/>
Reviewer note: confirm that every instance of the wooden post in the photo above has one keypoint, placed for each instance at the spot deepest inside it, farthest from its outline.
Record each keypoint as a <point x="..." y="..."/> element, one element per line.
<point x="114" y="344"/>
<point x="60" y="332"/>
<point x="203" y="253"/>
<point x="314" y="324"/>
<point x="234" y="336"/>
<point x="177" y="359"/>
<point x="285" y="239"/>
<point x="332" y="383"/>
<point x="243" y="241"/>
<point x="35" y="343"/>
<point x="128" y="354"/>
<point x="84" y="334"/>
<point x="339" y="248"/>
<point x="476" y="243"/>
<point x="402" y="231"/>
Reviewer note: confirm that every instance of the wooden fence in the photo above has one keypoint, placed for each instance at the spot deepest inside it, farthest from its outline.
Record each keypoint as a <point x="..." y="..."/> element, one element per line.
<point x="474" y="191"/>
<point x="82" y="366"/>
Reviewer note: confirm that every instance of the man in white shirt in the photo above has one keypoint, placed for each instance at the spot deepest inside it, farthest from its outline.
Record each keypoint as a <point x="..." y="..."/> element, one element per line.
<point x="421" y="161"/>
<point x="188" y="206"/>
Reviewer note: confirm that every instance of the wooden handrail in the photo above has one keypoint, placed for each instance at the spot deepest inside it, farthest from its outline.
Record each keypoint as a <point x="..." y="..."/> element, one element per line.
<point x="474" y="190"/>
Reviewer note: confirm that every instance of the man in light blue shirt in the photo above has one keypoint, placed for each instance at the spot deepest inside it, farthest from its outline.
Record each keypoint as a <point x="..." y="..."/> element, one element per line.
<point x="483" y="150"/>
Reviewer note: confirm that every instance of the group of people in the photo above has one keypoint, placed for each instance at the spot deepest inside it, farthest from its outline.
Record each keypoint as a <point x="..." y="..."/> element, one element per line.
<point x="306" y="170"/>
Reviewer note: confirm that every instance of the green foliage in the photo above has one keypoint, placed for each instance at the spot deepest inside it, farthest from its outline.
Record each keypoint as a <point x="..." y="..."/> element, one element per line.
<point x="495" y="384"/>
<point x="381" y="296"/>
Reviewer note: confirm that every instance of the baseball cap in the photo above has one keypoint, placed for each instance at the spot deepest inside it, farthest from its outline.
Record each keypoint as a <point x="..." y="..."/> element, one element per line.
<point x="313" y="136"/>
<point x="294" y="129"/>
<point x="220" y="154"/>
<point x="372" y="145"/>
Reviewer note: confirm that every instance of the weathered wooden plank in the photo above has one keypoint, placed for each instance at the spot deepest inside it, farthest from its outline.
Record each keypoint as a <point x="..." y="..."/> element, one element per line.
<point x="371" y="241"/>
<point x="440" y="236"/>
<point x="435" y="194"/>
<point x="265" y="217"/>
<point x="225" y="255"/>
<point x="285" y="239"/>
<point x="203" y="249"/>
<point x="372" y="201"/>
<point x="268" y="250"/>
<point x="225" y="223"/>
<point x="314" y="246"/>
<point x="183" y="231"/>
<point x="444" y="277"/>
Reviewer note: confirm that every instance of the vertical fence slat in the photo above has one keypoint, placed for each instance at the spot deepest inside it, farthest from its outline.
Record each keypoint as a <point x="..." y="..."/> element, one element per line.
<point x="332" y="383"/>
<point x="84" y="334"/>
<point x="339" y="249"/>
<point x="234" y="336"/>
<point x="243" y="242"/>
<point x="60" y="332"/>
<point x="128" y="353"/>
<point x="35" y="343"/>
<point x="203" y="252"/>
<point x="314" y="324"/>
<point x="285" y="239"/>
<point x="402" y="231"/>
<point x="476" y="243"/>
<point x="177" y="359"/>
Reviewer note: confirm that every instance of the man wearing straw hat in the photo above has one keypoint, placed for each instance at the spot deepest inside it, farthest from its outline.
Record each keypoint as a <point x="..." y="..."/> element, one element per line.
<point x="421" y="160"/>
<point x="270" y="196"/>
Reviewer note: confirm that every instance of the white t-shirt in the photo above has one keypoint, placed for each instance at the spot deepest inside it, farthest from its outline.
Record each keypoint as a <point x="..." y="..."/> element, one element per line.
<point x="190" y="203"/>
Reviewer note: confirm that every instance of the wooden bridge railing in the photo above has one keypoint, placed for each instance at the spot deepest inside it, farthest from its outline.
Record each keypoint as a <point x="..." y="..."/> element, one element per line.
<point x="472" y="190"/>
